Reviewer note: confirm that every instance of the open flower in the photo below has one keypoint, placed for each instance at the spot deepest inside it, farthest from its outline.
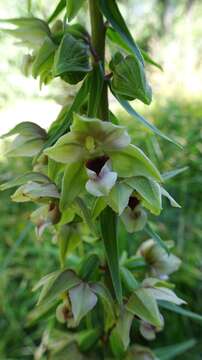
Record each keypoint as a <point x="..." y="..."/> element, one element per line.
<point x="88" y="138"/>
<point x="91" y="141"/>
<point x="161" y="263"/>
<point x="149" y="331"/>
<point x="104" y="151"/>
<point x="101" y="178"/>
<point x="134" y="217"/>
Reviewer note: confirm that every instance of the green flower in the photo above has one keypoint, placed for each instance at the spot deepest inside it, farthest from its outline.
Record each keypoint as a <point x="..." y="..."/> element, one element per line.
<point x="91" y="141"/>
<point x="105" y="152"/>
<point x="134" y="217"/>
<point x="161" y="263"/>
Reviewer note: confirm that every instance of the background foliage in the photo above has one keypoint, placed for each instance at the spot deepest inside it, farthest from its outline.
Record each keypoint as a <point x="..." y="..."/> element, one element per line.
<point x="24" y="260"/>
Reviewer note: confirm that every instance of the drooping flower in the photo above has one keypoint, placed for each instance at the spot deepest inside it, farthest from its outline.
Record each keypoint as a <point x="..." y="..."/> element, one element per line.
<point x="161" y="263"/>
<point x="134" y="217"/>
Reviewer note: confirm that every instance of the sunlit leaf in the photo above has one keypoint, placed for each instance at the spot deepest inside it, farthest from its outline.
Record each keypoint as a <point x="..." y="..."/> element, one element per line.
<point x="73" y="8"/>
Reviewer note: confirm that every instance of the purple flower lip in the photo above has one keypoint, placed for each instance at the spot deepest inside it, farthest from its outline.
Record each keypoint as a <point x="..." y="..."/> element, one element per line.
<point x="97" y="164"/>
<point x="133" y="202"/>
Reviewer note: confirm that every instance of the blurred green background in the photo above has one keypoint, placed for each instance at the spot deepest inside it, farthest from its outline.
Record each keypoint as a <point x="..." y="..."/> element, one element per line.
<point x="171" y="31"/>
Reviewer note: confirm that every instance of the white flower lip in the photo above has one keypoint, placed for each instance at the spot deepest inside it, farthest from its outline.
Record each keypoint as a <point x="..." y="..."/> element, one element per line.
<point x="100" y="184"/>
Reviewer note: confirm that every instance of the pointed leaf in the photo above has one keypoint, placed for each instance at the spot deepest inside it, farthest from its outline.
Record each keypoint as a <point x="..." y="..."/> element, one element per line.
<point x="108" y="221"/>
<point x="73" y="8"/>
<point x="44" y="58"/>
<point x="170" y="174"/>
<point x="27" y="129"/>
<point x="73" y="183"/>
<point x="22" y="179"/>
<point x="104" y="295"/>
<point x="59" y="8"/>
<point x="64" y="281"/>
<point x="113" y="15"/>
<point x="179" y="310"/>
<point x="170" y="352"/>
<point x="131" y="111"/>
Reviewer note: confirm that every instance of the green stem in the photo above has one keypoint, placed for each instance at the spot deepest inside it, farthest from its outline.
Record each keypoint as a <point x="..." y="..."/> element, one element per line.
<point x="98" y="36"/>
<point x="98" y="33"/>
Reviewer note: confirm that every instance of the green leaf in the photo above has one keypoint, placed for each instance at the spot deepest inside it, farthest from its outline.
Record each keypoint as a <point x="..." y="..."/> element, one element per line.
<point x="170" y="352"/>
<point x="65" y="116"/>
<point x="120" y="336"/>
<point x="86" y="214"/>
<point x="33" y="191"/>
<point x="128" y="279"/>
<point x="179" y="310"/>
<point x="143" y="305"/>
<point x="22" y="179"/>
<point x="132" y="161"/>
<point x="149" y="60"/>
<point x="149" y="230"/>
<point x="123" y="328"/>
<point x="104" y="295"/>
<point x="108" y="221"/>
<point x="149" y="191"/>
<point x="119" y="196"/>
<point x="40" y="312"/>
<point x="170" y="174"/>
<point x="27" y="129"/>
<point x="82" y="300"/>
<point x="145" y="122"/>
<point x="64" y="281"/>
<point x="73" y="8"/>
<point x="96" y="81"/>
<point x="87" y="338"/>
<point x="31" y="31"/>
<point x="63" y="238"/>
<point x="113" y="15"/>
<point x="72" y="184"/>
<point x="135" y="263"/>
<point x="129" y="80"/>
<point x="117" y="39"/>
<point x="59" y="8"/>
<point x="170" y="198"/>
<point x="88" y="266"/>
<point x="44" y="58"/>
<point x="98" y="207"/>
<point x="71" y="59"/>
<point x="21" y="146"/>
